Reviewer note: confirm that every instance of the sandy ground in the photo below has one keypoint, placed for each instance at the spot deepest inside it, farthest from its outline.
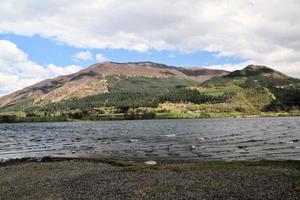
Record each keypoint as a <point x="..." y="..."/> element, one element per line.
<point x="107" y="179"/>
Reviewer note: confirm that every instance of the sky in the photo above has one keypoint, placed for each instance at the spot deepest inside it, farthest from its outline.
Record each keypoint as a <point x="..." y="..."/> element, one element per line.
<point x="45" y="39"/>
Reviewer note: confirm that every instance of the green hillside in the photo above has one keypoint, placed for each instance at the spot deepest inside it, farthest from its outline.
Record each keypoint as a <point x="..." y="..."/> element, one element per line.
<point x="260" y="89"/>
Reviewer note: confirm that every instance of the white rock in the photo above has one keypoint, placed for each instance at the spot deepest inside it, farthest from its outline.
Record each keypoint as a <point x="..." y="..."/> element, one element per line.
<point x="150" y="162"/>
<point x="192" y="147"/>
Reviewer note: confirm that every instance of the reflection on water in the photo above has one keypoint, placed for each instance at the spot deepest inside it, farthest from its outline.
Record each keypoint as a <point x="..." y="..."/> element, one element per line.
<point x="211" y="139"/>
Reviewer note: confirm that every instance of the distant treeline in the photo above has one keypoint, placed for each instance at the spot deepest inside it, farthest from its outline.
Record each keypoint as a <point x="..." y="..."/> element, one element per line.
<point x="8" y="118"/>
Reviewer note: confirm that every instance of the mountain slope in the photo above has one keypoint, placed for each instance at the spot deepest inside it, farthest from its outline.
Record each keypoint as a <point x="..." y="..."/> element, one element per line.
<point x="260" y="88"/>
<point x="96" y="80"/>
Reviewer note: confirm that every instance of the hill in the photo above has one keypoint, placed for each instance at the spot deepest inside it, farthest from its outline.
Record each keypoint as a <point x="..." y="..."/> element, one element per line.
<point x="95" y="80"/>
<point x="155" y="90"/>
<point x="253" y="70"/>
<point x="260" y="88"/>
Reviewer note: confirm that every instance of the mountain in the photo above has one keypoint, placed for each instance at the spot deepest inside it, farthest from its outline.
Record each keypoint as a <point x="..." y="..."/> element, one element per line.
<point x="260" y="88"/>
<point x="99" y="78"/>
<point x="254" y="70"/>
<point x="147" y="90"/>
<point x="256" y="76"/>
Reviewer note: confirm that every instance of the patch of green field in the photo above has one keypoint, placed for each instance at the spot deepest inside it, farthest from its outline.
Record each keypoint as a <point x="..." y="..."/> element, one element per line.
<point x="215" y="93"/>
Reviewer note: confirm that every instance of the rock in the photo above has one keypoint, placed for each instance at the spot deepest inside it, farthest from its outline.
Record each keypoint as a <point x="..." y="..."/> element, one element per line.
<point x="150" y="162"/>
<point x="192" y="147"/>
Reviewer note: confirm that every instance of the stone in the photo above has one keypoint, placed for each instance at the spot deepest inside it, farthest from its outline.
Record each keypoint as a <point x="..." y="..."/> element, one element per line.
<point x="150" y="162"/>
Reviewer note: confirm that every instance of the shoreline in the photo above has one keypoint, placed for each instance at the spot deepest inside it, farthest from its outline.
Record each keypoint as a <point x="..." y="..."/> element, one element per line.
<point x="138" y="119"/>
<point x="130" y="161"/>
<point x="137" y="161"/>
<point x="140" y="161"/>
<point x="104" y="178"/>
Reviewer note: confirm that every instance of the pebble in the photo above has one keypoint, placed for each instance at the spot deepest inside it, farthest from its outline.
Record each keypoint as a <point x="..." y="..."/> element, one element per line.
<point x="150" y="162"/>
<point x="192" y="147"/>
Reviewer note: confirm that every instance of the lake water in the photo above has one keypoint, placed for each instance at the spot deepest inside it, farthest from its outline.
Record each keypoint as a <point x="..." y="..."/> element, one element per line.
<point x="208" y="139"/>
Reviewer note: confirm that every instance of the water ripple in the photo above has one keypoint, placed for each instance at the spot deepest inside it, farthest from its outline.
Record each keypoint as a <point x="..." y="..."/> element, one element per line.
<point x="211" y="139"/>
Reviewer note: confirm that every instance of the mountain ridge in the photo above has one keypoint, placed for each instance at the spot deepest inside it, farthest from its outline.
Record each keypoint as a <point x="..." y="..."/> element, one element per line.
<point x="252" y="70"/>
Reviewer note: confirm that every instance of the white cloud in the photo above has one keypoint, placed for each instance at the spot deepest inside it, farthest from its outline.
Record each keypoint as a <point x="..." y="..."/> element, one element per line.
<point x="100" y="57"/>
<point x="258" y="30"/>
<point x="83" y="56"/>
<point x="87" y="55"/>
<point x="54" y="70"/>
<point x="17" y="71"/>
<point x="229" y="67"/>
<point x="291" y="69"/>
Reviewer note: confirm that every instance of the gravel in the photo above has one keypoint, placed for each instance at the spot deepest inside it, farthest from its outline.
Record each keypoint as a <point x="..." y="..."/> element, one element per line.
<point x="78" y="179"/>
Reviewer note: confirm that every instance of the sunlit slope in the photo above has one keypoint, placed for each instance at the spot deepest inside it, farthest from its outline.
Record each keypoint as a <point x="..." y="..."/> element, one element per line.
<point x="257" y="88"/>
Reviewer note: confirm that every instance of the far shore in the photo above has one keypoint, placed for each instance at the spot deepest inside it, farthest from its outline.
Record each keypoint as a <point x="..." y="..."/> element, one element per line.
<point x="106" y="178"/>
<point x="119" y="117"/>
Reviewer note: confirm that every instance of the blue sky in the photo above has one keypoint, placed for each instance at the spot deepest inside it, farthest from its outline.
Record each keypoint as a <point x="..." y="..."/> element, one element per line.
<point x="45" y="51"/>
<point x="44" y="39"/>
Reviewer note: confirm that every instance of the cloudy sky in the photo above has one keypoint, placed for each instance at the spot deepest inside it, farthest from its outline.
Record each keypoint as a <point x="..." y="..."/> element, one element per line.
<point x="44" y="39"/>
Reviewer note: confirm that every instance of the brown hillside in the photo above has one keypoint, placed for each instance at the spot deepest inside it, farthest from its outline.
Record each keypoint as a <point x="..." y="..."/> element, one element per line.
<point x="93" y="81"/>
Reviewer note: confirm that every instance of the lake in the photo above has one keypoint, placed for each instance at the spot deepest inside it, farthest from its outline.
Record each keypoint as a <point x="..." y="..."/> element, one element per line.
<point x="203" y="139"/>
